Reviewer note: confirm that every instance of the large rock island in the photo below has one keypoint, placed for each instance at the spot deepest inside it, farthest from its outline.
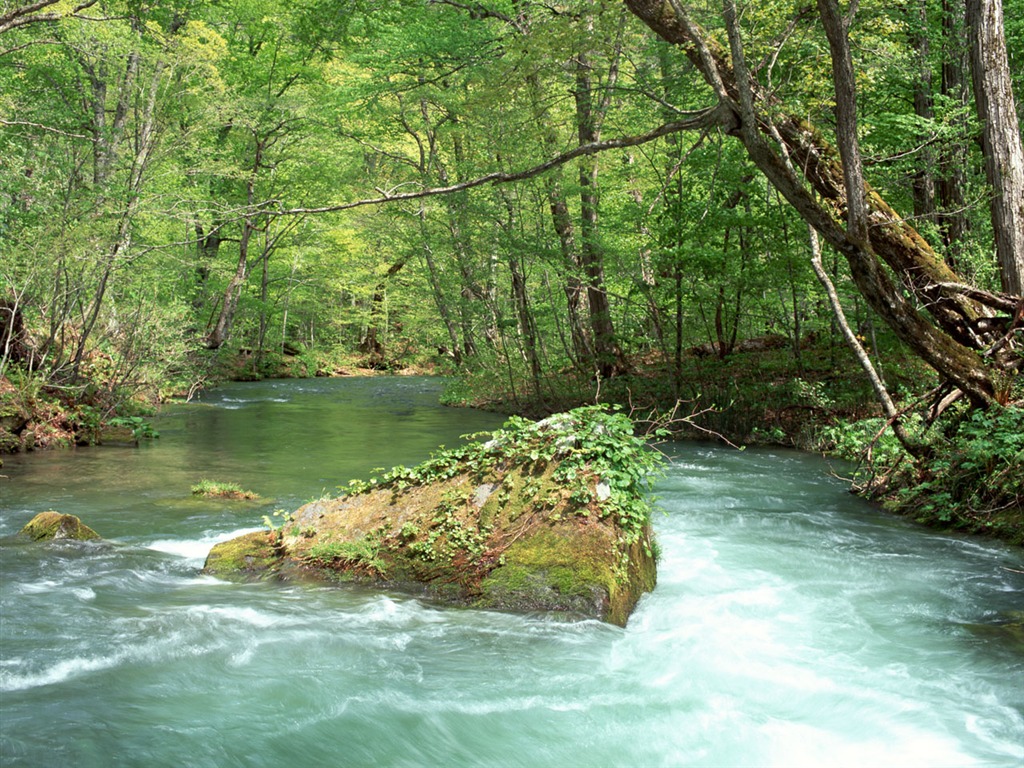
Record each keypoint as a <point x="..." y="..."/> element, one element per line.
<point x="547" y="516"/>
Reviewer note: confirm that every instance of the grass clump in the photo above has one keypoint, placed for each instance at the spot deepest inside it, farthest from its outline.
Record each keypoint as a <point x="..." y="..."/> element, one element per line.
<point x="217" y="490"/>
<point x="364" y="553"/>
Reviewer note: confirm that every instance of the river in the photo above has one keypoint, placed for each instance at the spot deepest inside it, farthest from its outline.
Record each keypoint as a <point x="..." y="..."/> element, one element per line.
<point x="792" y="624"/>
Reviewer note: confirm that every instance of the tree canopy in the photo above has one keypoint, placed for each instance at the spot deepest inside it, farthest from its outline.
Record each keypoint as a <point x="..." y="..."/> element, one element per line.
<point x="514" y="188"/>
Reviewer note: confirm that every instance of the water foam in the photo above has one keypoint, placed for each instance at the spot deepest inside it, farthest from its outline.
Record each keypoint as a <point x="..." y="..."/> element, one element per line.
<point x="196" y="549"/>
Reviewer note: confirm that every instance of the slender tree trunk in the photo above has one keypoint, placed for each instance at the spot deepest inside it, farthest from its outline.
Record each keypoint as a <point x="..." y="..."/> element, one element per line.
<point x="435" y="286"/>
<point x="952" y="177"/>
<point x="561" y="222"/>
<point x="221" y="330"/>
<point x="527" y="325"/>
<point x="528" y="334"/>
<point x="261" y="335"/>
<point x="371" y="343"/>
<point x="1004" y="155"/>
<point x="881" y="391"/>
<point x="608" y="356"/>
<point x="923" y="182"/>
<point x="145" y="142"/>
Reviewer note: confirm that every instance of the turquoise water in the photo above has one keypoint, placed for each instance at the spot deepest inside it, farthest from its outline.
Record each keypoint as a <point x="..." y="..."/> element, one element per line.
<point x="792" y="625"/>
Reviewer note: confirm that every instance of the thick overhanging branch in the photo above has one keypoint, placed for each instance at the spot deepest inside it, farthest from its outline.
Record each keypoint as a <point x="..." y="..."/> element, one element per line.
<point x="24" y="15"/>
<point x="701" y="120"/>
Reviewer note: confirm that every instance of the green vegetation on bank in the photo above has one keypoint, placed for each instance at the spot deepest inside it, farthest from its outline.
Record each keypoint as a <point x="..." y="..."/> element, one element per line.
<point x="970" y="476"/>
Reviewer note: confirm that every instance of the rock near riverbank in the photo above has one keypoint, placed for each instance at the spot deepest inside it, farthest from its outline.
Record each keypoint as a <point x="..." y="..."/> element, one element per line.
<point x="547" y="516"/>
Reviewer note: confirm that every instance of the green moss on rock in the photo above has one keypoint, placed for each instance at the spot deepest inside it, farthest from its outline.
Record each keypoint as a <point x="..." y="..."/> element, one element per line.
<point x="252" y="555"/>
<point x="562" y="567"/>
<point x="530" y="520"/>
<point x="49" y="526"/>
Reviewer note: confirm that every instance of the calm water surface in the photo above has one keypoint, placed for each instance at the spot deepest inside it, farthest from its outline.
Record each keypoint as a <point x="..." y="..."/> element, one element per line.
<point x="792" y="625"/>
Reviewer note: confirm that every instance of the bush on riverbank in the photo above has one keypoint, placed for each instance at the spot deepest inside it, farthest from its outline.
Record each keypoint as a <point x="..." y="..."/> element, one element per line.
<point x="973" y="479"/>
<point x="37" y="415"/>
<point x="969" y="481"/>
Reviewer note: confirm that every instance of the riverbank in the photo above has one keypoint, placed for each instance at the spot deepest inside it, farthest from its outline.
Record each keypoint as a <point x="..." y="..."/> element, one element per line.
<point x="36" y="414"/>
<point x="969" y="476"/>
<point x="817" y="401"/>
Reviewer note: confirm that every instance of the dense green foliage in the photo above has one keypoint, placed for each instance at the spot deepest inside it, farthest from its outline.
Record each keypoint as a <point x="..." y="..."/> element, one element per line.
<point x="183" y="194"/>
<point x="975" y="475"/>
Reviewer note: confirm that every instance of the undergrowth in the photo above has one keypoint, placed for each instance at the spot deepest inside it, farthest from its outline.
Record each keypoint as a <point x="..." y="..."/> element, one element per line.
<point x="970" y="478"/>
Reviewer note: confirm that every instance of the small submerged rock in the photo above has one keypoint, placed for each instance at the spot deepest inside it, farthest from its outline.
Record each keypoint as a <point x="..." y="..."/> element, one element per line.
<point x="546" y="516"/>
<point x="48" y="526"/>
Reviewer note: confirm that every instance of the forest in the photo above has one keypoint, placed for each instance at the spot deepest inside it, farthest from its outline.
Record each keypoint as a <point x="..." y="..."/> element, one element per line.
<point x="798" y="223"/>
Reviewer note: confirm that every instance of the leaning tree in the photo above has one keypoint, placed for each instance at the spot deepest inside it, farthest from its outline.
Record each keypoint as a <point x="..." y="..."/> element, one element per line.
<point x="970" y="336"/>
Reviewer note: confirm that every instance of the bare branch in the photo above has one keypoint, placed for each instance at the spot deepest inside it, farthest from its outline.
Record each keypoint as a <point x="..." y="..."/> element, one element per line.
<point x="29" y="14"/>
<point x="41" y="127"/>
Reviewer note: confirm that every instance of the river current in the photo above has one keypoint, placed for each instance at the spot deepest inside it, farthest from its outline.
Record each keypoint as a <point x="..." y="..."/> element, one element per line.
<point x="792" y="624"/>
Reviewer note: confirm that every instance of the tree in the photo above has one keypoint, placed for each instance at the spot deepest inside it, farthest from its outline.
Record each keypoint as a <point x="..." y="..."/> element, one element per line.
<point x="35" y="13"/>
<point x="1004" y="157"/>
<point x="830" y="192"/>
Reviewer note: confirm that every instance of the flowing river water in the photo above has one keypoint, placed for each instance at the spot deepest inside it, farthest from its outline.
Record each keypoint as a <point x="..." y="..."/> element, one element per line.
<point x="792" y="624"/>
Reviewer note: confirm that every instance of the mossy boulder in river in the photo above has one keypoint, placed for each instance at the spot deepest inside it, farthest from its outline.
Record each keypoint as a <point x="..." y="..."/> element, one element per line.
<point x="546" y="516"/>
<point x="47" y="526"/>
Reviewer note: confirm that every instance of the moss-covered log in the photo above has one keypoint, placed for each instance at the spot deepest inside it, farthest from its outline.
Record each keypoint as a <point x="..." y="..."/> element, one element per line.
<point x="547" y="516"/>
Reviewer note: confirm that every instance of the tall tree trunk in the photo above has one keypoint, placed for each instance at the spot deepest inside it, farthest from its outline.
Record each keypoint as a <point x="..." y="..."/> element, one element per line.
<point x="145" y="138"/>
<point x="435" y="286"/>
<point x="952" y="177"/>
<point x="561" y="222"/>
<point x="371" y="343"/>
<point x="527" y="324"/>
<point x="924" y="178"/>
<point x="608" y="357"/>
<point x="1004" y="156"/>
<point x="221" y="330"/>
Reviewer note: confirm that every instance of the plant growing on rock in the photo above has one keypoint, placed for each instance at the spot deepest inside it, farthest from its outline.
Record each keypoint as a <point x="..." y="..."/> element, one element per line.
<point x="595" y="442"/>
<point x="219" y="490"/>
<point x="551" y="515"/>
